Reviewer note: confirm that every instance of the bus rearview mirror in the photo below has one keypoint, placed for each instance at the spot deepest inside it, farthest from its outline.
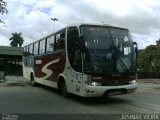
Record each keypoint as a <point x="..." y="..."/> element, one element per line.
<point x="135" y="47"/>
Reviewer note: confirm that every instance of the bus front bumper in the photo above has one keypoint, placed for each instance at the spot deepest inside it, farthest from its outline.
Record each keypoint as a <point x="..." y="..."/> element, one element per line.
<point x="97" y="91"/>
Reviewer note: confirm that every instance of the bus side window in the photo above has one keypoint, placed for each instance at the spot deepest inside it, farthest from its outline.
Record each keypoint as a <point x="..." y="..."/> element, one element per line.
<point x="50" y="44"/>
<point x="36" y="48"/>
<point x="31" y="49"/>
<point x="60" y="40"/>
<point x="25" y="51"/>
<point x="42" y="46"/>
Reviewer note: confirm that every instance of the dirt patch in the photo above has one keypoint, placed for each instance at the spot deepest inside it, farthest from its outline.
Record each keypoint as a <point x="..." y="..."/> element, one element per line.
<point x="157" y="88"/>
<point x="149" y="90"/>
<point x="154" y="81"/>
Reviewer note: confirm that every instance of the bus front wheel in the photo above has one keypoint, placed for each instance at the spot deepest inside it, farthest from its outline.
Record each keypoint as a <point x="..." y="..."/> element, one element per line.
<point x="64" y="90"/>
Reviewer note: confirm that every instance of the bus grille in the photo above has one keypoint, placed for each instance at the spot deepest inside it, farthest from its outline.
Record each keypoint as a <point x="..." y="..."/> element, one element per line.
<point x="115" y="82"/>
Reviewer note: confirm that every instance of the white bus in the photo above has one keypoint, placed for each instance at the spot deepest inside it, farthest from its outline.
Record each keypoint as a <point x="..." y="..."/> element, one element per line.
<point x="88" y="60"/>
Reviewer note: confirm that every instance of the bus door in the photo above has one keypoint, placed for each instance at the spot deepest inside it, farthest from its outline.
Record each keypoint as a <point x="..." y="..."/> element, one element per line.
<point x="75" y="78"/>
<point x="77" y="82"/>
<point x="75" y="61"/>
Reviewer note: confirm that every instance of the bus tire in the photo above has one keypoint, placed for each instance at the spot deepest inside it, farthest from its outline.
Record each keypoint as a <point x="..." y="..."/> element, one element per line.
<point x="64" y="90"/>
<point x="33" y="81"/>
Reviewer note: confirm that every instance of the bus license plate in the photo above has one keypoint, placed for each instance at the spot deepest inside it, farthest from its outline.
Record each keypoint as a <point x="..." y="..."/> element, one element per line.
<point x="116" y="93"/>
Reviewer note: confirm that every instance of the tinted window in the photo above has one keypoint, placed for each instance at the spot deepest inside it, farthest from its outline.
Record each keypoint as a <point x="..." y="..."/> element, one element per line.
<point x="50" y="44"/>
<point x="25" y="51"/>
<point x="42" y="46"/>
<point x="36" y="48"/>
<point x="74" y="54"/>
<point x="99" y="52"/>
<point x="60" y="40"/>
<point x="31" y="49"/>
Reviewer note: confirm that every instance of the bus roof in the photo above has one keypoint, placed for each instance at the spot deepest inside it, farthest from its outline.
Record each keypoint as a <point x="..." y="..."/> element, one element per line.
<point x="98" y="24"/>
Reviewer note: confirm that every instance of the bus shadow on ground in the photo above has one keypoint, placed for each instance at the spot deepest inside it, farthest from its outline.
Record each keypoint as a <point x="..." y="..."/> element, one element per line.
<point x="86" y="100"/>
<point x="99" y="100"/>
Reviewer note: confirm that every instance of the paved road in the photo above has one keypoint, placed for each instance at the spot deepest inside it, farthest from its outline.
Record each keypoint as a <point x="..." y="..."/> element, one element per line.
<point x="18" y="96"/>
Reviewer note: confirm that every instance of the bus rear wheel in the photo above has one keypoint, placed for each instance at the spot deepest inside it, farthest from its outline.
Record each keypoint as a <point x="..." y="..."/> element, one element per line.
<point x="33" y="81"/>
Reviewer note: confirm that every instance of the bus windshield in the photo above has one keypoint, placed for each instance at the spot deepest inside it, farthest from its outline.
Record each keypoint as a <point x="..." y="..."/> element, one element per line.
<point x="108" y="50"/>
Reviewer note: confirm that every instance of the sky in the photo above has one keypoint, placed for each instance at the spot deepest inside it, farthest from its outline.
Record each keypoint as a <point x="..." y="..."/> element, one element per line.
<point x="33" y="17"/>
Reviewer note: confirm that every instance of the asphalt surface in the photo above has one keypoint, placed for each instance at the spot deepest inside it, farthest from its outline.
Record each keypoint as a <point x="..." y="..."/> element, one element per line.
<point x="17" y="96"/>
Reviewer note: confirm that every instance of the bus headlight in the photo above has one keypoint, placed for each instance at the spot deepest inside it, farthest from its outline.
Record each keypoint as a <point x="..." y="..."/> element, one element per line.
<point x="96" y="84"/>
<point x="132" y="82"/>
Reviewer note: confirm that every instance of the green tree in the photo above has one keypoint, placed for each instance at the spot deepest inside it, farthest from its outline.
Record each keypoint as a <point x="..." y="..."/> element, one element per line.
<point x="146" y="57"/>
<point x="149" y="59"/>
<point x="16" y="40"/>
<point x="158" y="42"/>
<point x="157" y="59"/>
<point x="3" y="8"/>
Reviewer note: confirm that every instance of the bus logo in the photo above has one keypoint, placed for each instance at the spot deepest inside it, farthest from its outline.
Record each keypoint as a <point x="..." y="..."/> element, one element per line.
<point x="47" y="71"/>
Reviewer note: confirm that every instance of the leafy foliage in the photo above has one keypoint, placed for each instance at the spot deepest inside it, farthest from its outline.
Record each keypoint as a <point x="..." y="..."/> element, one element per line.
<point x="149" y="58"/>
<point x="158" y="42"/>
<point x="16" y="40"/>
<point x="3" y="8"/>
